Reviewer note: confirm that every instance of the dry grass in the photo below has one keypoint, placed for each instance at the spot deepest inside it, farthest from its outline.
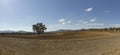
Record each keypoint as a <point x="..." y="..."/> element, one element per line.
<point x="65" y="35"/>
<point x="30" y="45"/>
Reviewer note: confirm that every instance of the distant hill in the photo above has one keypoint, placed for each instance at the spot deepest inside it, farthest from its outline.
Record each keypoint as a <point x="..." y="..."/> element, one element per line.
<point x="63" y="30"/>
<point x="11" y="31"/>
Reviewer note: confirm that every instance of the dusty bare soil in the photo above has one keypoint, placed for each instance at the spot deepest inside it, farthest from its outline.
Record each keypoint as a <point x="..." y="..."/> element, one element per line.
<point x="79" y="43"/>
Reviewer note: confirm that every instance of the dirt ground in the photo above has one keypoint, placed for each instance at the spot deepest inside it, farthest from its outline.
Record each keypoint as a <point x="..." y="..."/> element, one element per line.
<point x="79" y="43"/>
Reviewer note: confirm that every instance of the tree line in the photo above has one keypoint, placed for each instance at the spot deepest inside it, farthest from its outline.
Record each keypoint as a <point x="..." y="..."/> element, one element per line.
<point x="116" y="29"/>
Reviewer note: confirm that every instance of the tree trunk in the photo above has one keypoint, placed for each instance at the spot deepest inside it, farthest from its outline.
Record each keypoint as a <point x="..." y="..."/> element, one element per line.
<point x="38" y="34"/>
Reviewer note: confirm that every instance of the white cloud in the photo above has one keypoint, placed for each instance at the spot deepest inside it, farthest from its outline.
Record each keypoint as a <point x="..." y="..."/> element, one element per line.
<point x="84" y="22"/>
<point x="69" y="21"/>
<point x="62" y="20"/>
<point x="92" y="20"/>
<point x="114" y="25"/>
<point x="81" y="21"/>
<point x="89" y="9"/>
<point x="95" y="24"/>
<point x="90" y="24"/>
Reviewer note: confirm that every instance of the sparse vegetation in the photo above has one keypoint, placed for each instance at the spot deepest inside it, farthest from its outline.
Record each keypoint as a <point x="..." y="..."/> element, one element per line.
<point x="103" y="29"/>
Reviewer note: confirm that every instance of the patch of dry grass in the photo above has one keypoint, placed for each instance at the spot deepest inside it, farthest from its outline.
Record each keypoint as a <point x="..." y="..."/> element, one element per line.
<point x="30" y="45"/>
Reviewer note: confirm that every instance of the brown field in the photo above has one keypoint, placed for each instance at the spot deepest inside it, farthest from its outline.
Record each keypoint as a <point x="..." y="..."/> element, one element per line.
<point x="64" y="35"/>
<point x="62" y="43"/>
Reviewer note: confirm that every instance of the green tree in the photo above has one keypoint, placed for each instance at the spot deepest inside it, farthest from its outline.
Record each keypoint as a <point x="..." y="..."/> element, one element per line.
<point x="39" y="28"/>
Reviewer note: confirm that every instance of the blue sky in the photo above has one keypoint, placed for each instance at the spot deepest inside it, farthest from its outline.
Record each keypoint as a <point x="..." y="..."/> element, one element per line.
<point x="59" y="14"/>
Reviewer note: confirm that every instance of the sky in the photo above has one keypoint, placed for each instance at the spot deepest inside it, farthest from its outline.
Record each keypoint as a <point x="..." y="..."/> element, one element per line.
<point x="59" y="14"/>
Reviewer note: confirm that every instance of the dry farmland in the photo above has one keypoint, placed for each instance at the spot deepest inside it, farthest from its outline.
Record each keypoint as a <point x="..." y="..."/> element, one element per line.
<point x="62" y="43"/>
